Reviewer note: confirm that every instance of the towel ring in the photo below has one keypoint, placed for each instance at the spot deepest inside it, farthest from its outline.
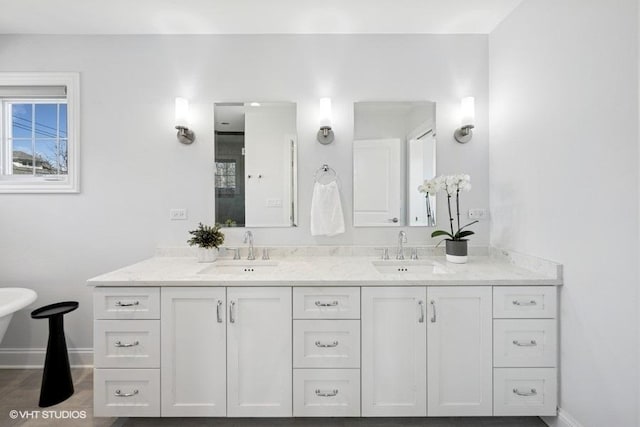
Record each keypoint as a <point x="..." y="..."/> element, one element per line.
<point x="325" y="170"/>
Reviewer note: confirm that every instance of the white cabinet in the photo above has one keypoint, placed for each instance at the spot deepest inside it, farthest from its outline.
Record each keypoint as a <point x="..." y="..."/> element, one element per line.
<point x="193" y="360"/>
<point x="394" y="351"/>
<point x="459" y="351"/>
<point x="259" y="364"/>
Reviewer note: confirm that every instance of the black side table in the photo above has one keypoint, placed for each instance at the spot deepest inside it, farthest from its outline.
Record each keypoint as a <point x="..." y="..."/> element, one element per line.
<point x="57" y="384"/>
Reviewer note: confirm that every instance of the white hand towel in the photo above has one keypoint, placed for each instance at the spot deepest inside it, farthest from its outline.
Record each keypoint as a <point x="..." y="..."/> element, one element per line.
<point x="327" y="218"/>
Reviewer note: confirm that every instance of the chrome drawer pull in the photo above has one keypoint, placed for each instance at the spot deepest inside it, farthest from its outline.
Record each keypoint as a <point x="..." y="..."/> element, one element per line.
<point x="133" y="344"/>
<point x="533" y="392"/>
<point x="326" y="304"/>
<point x="322" y="345"/>
<point x="126" y="304"/>
<point x="531" y="343"/>
<point x="120" y="394"/>
<point x="421" y="304"/>
<point x="232" y="314"/>
<point x="524" y="303"/>
<point x="331" y="393"/>
<point x="433" y="304"/>
<point x="219" y="311"/>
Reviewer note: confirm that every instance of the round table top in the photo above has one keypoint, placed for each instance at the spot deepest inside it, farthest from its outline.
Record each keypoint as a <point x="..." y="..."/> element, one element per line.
<point x="56" y="309"/>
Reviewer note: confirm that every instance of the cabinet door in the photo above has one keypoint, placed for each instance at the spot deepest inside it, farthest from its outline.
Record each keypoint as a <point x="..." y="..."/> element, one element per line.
<point x="193" y="352"/>
<point x="259" y="365"/>
<point x="459" y="351"/>
<point x="394" y="351"/>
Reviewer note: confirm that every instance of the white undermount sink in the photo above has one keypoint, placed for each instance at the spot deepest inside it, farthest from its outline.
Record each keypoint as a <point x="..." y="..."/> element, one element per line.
<point x="239" y="267"/>
<point x="408" y="267"/>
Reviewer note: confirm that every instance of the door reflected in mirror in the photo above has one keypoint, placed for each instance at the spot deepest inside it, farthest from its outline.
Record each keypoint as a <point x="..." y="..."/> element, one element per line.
<point x="394" y="151"/>
<point x="255" y="164"/>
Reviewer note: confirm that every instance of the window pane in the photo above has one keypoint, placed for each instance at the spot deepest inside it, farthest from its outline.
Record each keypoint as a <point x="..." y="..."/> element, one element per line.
<point x="21" y="120"/>
<point x="46" y="157"/>
<point x="22" y="158"/>
<point x="63" y="120"/>
<point x="46" y="120"/>
<point x="63" y="157"/>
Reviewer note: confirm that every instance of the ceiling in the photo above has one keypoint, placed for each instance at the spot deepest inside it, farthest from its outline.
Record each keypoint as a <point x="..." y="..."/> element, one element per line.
<point x="252" y="16"/>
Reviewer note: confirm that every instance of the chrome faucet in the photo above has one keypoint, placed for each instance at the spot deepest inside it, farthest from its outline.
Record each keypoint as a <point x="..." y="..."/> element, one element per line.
<point x="402" y="239"/>
<point x="248" y="237"/>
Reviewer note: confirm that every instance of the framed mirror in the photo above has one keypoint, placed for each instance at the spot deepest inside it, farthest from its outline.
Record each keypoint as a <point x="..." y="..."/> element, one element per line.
<point x="394" y="151"/>
<point x="255" y="164"/>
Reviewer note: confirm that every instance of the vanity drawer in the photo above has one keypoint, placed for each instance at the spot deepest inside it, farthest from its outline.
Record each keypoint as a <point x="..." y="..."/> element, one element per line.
<point x="126" y="343"/>
<point x="326" y="303"/>
<point x="126" y="303"/>
<point x="326" y="392"/>
<point x="517" y="302"/>
<point x="126" y="392"/>
<point x="524" y="343"/>
<point x="326" y="344"/>
<point x="524" y="391"/>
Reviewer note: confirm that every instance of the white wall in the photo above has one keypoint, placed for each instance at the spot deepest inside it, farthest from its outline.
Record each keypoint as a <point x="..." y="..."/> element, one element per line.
<point x="564" y="183"/>
<point x="134" y="170"/>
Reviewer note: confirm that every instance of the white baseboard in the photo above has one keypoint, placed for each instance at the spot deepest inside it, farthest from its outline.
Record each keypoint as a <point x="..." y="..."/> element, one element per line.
<point x="18" y="358"/>
<point x="562" y="420"/>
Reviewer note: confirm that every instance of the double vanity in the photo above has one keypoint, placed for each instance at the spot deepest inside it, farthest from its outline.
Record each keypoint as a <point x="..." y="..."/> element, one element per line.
<point x="327" y="332"/>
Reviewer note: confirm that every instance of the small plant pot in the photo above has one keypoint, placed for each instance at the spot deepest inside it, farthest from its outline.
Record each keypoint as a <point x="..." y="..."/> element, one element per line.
<point x="207" y="254"/>
<point x="456" y="251"/>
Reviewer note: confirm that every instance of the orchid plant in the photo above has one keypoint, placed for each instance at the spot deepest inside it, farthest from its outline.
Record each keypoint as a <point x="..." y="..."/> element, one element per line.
<point x="452" y="185"/>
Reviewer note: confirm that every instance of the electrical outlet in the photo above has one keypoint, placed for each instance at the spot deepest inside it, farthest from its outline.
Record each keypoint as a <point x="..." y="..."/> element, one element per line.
<point x="177" y="214"/>
<point x="477" y="213"/>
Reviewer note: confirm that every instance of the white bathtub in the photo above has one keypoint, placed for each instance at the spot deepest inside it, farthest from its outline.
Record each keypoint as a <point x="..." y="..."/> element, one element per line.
<point x="12" y="300"/>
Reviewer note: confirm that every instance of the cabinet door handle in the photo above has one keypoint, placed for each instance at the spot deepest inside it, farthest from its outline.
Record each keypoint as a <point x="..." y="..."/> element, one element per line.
<point x="433" y="305"/>
<point x="133" y="344"/>
<point x="394" y="220"/>
<point x="531" y="343"/>
<point x="531" y="392"/>
<point x="326" y="304"/>
<point x="524" y="303"/>
<point x="121" y="394"/>
<point x="127" y="304"/>
<point x="330" y="393"/>
<point x="326" y="345"/>
<point x="421" y="304"/>
<point x="232" y="314"/>
<point x="219" y="311"/>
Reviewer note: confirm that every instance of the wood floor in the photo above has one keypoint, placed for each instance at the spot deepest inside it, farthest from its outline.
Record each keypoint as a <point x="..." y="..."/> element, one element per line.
<point x="20" y="389"/>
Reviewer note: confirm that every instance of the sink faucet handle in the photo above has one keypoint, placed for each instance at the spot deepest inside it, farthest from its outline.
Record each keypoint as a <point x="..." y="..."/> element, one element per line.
<point x="236" y="253"/>
<point x="265" y="254"/>
<point x="414" y="253"/>
<point x="385" y="253"/>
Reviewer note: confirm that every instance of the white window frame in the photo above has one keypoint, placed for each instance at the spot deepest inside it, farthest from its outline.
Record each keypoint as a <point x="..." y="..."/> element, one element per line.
<point x="69" y="183"/>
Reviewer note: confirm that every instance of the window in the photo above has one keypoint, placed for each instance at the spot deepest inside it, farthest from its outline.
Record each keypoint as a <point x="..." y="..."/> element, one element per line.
<point x="226" y="177"/>
<point x="39" y="132"/>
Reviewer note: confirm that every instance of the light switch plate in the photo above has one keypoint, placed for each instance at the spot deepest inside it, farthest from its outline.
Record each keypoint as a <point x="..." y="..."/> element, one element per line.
<point x="477" y="213"/>
<point x="177" y="214"/>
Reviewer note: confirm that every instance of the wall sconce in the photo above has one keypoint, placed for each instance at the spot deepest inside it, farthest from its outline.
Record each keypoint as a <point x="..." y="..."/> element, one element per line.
<point x="185" y="135"/>
<point x="325" y="134"/>
<point x="468" y="113"/>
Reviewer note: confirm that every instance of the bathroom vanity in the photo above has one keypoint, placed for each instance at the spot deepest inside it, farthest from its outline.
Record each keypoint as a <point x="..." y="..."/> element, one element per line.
<point x="340" y="336"/>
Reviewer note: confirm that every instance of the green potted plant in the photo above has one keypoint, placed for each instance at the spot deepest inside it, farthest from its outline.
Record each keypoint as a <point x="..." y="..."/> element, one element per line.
<point x="208" y="239"/>
<point x="230" y="223"/>
<point x="456" y="244"/>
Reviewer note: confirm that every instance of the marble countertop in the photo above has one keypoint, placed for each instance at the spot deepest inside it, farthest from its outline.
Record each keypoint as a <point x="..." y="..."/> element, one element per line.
<point x="500" y="268"/>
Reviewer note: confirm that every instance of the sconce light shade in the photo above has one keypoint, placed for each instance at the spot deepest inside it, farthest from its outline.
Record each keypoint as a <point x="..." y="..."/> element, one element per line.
<point x="325" y="134"/>
<point x="467" y="122"/>
<point x="185" y="135"/>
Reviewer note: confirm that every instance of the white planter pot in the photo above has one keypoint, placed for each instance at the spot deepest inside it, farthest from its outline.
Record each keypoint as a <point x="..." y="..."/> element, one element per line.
<point x="207" y="254"/>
